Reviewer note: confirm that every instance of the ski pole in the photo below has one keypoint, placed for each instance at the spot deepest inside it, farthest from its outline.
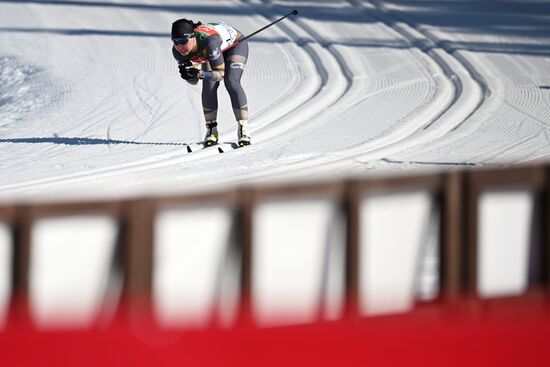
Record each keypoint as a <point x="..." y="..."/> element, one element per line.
<point x="293" y="12"/>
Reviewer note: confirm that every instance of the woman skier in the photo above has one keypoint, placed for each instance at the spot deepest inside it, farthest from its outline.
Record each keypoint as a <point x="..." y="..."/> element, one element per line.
<point x="197" y="42"/>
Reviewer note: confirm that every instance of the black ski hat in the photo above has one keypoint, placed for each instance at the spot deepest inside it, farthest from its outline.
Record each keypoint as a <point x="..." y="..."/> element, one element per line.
<point x="182" y="27"/>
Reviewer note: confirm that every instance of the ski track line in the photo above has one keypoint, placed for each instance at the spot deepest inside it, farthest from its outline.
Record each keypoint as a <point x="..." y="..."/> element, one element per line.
<point x="312" y="91"/>
<point x="337" y="63"/>
<point x="513" y="95"/>
<point x="309" y="83"/>
<point x="469" y="89"/>
<point x="273" y="111"/>
<point x="524" y="99"/>
<point x="349" y="78"/>
<point x="470" y="92"/>
<point x="334" y="83"/>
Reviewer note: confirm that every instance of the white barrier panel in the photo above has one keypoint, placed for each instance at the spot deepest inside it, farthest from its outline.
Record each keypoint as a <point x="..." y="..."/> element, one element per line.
<point x="428" y="277"/>
<point x="395" y="229"/>
<point x="5" y="271"/>
<point x="70" y="267"/>
<point x="504" y="234"/>
<point x="297" y="258"/>
<point x="194" y="275"/>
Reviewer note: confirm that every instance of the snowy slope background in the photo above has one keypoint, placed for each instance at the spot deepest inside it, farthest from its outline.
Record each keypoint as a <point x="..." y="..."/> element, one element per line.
<point x="91" y="103"/>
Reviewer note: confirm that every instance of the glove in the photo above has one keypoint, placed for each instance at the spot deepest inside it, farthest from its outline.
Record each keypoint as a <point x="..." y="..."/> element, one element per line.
<point x="188" y="73"/>
<point x="193" y="73"/>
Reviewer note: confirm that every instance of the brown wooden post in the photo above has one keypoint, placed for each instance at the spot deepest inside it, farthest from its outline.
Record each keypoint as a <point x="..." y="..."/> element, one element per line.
<point x="473" y="192"/>
<point x="352" y="204"/>
<point x="8" y="217"/>
<point x="21" y="255"/>
<point x="245" y="227"/>
<point x="138" y="252"/>
<point x="451" y="266"/>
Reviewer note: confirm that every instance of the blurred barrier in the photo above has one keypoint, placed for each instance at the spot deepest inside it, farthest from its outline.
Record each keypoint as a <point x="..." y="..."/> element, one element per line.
<point x="278" y="255"/>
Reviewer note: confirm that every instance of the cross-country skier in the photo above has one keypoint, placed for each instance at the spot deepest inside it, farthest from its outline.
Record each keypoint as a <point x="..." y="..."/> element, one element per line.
<point x="194" y="42"/>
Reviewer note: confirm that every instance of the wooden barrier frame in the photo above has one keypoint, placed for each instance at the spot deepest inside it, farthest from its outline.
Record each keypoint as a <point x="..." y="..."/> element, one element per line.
<point x="455" y="192"/>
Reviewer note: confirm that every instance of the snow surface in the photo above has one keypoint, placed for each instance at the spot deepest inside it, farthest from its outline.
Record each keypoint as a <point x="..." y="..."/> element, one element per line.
<point x="91" y="103"/>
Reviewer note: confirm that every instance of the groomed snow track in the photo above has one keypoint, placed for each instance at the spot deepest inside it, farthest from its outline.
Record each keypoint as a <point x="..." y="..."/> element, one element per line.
<point x="346" y="88"/>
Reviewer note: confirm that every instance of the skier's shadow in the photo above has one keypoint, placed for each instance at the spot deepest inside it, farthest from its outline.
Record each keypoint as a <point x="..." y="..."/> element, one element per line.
<point x="80" y="141"/>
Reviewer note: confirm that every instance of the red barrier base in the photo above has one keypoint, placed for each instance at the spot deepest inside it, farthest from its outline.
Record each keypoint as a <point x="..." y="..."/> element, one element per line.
<point x="516" y="336"/>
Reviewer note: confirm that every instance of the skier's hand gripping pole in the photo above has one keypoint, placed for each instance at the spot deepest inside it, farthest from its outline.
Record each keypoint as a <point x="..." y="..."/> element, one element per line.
<point x="293" y="12"/>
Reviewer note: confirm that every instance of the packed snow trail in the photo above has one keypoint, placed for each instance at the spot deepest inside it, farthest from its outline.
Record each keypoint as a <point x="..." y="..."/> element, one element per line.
<point x="507" y="43"/>
<point x="97" y="108"/>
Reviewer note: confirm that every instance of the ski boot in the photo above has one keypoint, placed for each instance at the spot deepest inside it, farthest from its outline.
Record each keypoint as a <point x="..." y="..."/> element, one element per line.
<point x="211" y="137"/>
<point x="243" y="137"/>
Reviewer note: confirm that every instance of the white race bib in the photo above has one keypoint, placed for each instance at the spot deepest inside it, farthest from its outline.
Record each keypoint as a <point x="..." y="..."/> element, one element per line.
<point x="227" y="33"/>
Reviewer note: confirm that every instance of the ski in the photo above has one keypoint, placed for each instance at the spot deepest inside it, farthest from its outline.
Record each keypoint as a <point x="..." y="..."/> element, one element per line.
<point x="222" y="147"/>
<point x="230" y="145"/>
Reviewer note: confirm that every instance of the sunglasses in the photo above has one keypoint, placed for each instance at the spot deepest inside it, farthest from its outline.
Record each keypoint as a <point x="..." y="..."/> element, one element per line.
<point x="182" y="41"/>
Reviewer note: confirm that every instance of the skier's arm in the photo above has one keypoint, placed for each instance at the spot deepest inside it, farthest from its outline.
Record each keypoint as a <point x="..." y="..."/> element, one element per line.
<point x="215" y="59"/>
